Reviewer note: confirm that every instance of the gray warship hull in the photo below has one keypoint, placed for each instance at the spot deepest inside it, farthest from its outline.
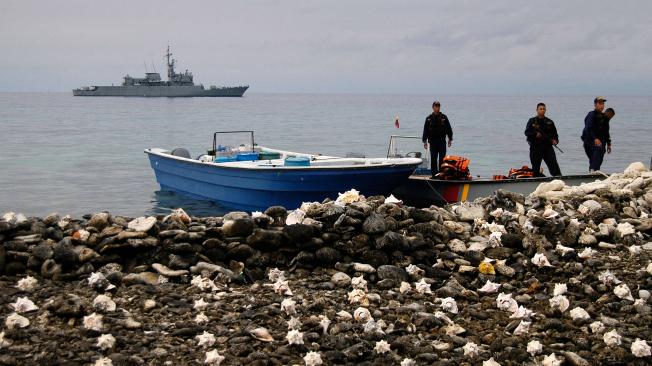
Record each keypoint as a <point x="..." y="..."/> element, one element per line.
<point x="160" y="91"/>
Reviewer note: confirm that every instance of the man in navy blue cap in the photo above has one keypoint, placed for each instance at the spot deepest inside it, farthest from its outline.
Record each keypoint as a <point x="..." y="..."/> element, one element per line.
<point x="595" y="135"/>
<point x="435" y="130"/>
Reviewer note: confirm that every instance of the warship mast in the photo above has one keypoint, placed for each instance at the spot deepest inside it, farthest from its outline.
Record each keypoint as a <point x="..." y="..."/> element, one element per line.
<point x="170" y="64"/>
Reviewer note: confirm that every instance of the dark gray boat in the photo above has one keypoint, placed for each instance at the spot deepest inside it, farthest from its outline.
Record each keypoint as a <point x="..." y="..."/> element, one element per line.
<point x="177" y="85"/>
<point x="420" y="190"/>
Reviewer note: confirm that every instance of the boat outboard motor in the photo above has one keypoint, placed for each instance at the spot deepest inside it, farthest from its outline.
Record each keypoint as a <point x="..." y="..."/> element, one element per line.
<point x="181" y="152"/>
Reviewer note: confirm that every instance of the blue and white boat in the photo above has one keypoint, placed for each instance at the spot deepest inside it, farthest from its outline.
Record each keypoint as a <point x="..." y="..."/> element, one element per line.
<point x="252" y="177"/>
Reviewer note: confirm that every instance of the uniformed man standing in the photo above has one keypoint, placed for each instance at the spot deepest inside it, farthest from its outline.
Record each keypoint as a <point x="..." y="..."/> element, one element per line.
<point x="596" y="134"/>
<point x="435" y="130"/>
<point x="542" y="135"/>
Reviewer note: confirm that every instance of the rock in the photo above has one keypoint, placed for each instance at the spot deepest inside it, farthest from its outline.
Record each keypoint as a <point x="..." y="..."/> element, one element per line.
<point x="555" y="185"/>
<point x="63" y="253"/>
<point x="457" y="246"/>
<point x="391" y="241"/>
<point x="374" y="224"/>
<point x="99" y="220"/>
<point x="574" y="359"/>
<point x="3" y="255"/>
<point x="327" y="256"/>
<point x="238" y="228"/>
<point x="341" y="279"/>
<point x="143" y="278"/>
<point x="470" y="211"/>
<point x="589" y="206"/>
<point x="240" y="252"/>
<point x="634" y="170"/>
<point x="68" y="306"/>
<point x="142" y="223"/>
<point x="363" y="268"/>
<point x="276" y="212"/>
<point x="394" y="273"/>
<point x="167" y="272"/>
<point x="43" y="251"/>
<point x="266" y="240"/>
<point x="125" y="235"/>
<point x="50" y="269"/>
<point x="299" y="233"/>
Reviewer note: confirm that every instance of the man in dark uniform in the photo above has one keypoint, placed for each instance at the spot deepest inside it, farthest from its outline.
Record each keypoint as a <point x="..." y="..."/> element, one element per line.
<point x="435" y="130"/>
<point x="542" y="135"/>
<point x="596" y="134"/>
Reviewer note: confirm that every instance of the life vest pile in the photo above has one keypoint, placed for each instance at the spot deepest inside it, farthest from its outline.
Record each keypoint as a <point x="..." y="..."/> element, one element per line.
<point x="454" y="168"/>
<point x="523" y="172"/>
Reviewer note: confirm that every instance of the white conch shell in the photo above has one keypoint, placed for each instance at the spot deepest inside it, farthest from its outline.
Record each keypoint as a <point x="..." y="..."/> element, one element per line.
<point x="489" y="287"/>
<point x="261" y="334"/>
<point x="623" y="292"/>
<point x="612" y="338"/>
<point x="294" y="337"/>
<point x="382" y="347"/>
<point x="312" y="359"/>
<point x="579" y="313"/>
<point x="559" y="302"/>
<point x="506" y="302"/>
<point x="534" y="348"/>
<point x="640" y="348"/>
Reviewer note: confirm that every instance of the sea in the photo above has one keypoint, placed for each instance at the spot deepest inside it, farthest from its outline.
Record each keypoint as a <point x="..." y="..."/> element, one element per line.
<point x="80" y="155"/>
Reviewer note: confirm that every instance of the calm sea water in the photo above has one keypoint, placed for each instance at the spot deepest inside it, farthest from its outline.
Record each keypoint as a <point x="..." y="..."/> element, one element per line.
<point x="74" y="155"/>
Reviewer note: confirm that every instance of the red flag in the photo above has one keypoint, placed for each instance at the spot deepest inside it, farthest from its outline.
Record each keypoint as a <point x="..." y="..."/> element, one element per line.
<point x="397" y="124"/>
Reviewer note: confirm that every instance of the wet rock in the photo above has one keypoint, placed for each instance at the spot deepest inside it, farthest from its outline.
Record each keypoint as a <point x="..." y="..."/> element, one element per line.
<point x="374" y="224"/>
<point x="143" y="278"/>
<point x="341" y="279"/>
<point x="64" y="253"/>
<point x="238" y="228"/>
<point x="394" y="273"/>
<point x="50" y="269"/>
<point x="276" y="211"/>
<point x="143" y="224"/>
<point x="327" y="256"/>
<point x="43" y="251"/>
<point x="240" y="252"/>
<point x="470" y="211"/>
<point x="167" y="272"/>
<point x="99" y="220"/>
<point x="391" y="241"/>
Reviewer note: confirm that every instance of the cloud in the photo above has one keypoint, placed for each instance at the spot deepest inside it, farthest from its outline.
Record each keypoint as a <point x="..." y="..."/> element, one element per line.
<point x="467" y="47"/>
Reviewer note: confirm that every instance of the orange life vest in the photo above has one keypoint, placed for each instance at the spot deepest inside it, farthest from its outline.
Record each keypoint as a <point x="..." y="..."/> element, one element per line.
<point x="454" y="168"/>
<point x="523" y="172"/>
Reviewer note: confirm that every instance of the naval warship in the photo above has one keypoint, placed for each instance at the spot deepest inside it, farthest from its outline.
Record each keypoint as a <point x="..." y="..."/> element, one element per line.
<point x="177" y="85"/>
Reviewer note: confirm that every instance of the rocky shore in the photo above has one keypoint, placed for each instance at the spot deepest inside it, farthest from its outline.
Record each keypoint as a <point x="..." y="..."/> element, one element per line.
<point x="562" y="276"/>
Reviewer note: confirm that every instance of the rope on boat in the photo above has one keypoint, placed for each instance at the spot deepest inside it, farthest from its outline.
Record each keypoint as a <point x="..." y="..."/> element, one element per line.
<point x="436" y="192"/>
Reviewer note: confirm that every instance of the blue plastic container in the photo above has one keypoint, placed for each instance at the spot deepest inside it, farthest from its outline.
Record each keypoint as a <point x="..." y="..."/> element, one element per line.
<point x="247" y="156"/>
<point x="225" y="159"/>
<point x="297" y="161"/>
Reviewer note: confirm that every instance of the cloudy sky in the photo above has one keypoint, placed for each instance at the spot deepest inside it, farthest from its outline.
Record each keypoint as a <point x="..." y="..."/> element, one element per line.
<point x="370" y="46"/>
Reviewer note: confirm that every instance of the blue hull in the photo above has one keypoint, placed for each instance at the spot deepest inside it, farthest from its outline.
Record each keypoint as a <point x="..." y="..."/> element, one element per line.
<point x="257" y="189"/>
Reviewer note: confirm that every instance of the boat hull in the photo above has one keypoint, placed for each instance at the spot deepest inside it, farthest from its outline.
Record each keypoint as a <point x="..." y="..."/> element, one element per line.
<point x="258" y="189"/>
<point x="422" y="191"/>
<point x="160" y="91"/>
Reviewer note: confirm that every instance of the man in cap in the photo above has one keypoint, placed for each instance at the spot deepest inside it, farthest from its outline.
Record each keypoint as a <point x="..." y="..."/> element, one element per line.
<point x="595" y="135"/>
<point x="542" y="135"/>
<point x="435" y="130"/>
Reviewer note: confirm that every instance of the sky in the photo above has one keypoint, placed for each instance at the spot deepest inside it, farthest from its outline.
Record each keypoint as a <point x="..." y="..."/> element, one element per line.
<point x="304" y="46"/>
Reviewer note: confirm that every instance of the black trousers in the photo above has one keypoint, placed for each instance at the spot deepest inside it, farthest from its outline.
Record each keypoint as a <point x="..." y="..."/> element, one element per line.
<point x="437" y="154"/>
<point x="597" y="156"/>
<point x="547" y="154"/>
